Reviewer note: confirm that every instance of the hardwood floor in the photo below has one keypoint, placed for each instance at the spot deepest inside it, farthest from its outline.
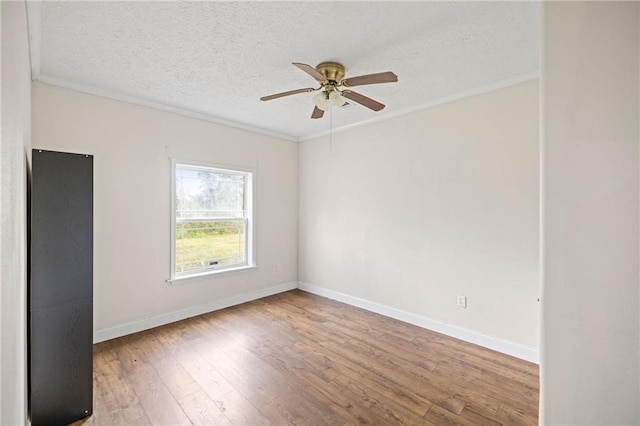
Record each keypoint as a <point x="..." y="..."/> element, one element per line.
<point x="297" y="358"/>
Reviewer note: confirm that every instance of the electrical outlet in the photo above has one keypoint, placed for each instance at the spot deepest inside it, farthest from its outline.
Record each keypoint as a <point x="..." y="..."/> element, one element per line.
<point x="461" y="302"/>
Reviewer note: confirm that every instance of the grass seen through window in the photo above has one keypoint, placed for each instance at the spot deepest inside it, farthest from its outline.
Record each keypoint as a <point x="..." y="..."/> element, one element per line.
<point x="208" y="244"/>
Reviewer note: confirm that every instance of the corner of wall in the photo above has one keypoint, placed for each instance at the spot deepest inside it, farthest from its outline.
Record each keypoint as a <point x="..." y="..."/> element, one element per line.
<point x="15" y="124"/>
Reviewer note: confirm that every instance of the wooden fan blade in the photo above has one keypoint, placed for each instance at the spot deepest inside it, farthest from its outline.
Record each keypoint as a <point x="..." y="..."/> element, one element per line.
<point x="381" y="77"/>
<point x="290" y="92"/>
<point x="310" y="70"/>
<point x="317" y="113"/>
<point x="362" y="100"/>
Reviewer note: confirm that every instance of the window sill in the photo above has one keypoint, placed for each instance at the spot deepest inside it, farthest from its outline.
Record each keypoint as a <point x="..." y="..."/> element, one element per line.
<point x="209" y="274"/>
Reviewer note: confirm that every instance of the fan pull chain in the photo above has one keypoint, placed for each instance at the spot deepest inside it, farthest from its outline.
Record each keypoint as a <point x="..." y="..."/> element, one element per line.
<point x="330" y="128"/>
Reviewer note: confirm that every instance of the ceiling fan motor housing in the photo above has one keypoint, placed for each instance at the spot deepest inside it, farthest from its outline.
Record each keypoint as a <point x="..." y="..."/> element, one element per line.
<point x="332" y="71"/>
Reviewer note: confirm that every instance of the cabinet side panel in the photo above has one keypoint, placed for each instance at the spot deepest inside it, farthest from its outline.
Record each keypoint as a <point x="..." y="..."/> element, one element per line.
<point x="61" y="288"/>
<point x="62" y="228"/>
<point x="62" y="363"/>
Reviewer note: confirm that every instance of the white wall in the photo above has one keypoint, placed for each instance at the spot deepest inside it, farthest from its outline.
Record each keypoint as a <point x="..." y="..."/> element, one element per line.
<point x="132" y="146"/>
<point x="15" y="124"/>
<point x="412" y="211"/>
<point x="590" y="240"/>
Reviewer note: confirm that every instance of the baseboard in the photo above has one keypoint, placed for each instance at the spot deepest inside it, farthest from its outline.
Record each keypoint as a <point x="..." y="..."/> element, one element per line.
<point x="145" y="324"/>
<point x="494" y="343"/>
<point x="510" y="348"/>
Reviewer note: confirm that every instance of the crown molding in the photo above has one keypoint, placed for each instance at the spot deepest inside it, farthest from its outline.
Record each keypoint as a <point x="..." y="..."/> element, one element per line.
<point x="111" y="94"/>
<point x="201" y="116"/>
<point x="447" y="99"/>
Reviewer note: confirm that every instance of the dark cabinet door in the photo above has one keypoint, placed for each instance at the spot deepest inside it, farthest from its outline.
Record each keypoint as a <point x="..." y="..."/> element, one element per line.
<point x="61" y="288"/>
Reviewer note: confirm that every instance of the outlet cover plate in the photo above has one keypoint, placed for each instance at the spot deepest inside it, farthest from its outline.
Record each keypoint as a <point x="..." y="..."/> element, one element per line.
<point x="461" y="302"/>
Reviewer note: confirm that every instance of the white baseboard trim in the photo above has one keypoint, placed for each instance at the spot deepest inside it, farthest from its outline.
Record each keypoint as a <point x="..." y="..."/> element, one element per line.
<point x="514" y="349"/>
<point x="145" y="324"/>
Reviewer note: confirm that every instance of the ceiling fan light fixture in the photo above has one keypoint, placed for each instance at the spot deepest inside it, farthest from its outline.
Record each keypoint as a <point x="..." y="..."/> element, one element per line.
<point x="322" y="100"/>
<point x="336" y="99"/>
<point x="325" y="100"/>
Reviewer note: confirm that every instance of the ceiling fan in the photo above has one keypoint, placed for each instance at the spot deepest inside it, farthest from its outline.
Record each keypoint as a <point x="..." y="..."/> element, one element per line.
<point x="330" y="75"/>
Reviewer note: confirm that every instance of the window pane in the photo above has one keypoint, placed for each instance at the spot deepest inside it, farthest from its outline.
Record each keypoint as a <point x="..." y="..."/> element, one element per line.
<point x="211" y="219"/>
<point x="209" y="194"/>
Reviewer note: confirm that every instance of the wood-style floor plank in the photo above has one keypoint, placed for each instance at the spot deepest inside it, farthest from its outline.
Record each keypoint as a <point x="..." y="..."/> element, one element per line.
<point x="202" y="410"/>
<point x="300" y="359"/>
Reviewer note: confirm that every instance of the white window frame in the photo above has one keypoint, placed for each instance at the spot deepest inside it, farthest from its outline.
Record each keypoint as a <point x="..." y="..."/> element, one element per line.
<point x="249" y="202"/>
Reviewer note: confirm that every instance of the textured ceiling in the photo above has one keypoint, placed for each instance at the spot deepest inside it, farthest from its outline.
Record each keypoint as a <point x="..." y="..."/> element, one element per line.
<point x="216" y="59"/>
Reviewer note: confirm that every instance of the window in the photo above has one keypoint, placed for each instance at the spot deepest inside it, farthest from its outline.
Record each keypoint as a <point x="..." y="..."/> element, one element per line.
<point x="212" y="219"/>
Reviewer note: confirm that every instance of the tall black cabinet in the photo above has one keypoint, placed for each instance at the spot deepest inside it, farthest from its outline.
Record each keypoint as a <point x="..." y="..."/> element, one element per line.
<point x="61" y="288"/>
